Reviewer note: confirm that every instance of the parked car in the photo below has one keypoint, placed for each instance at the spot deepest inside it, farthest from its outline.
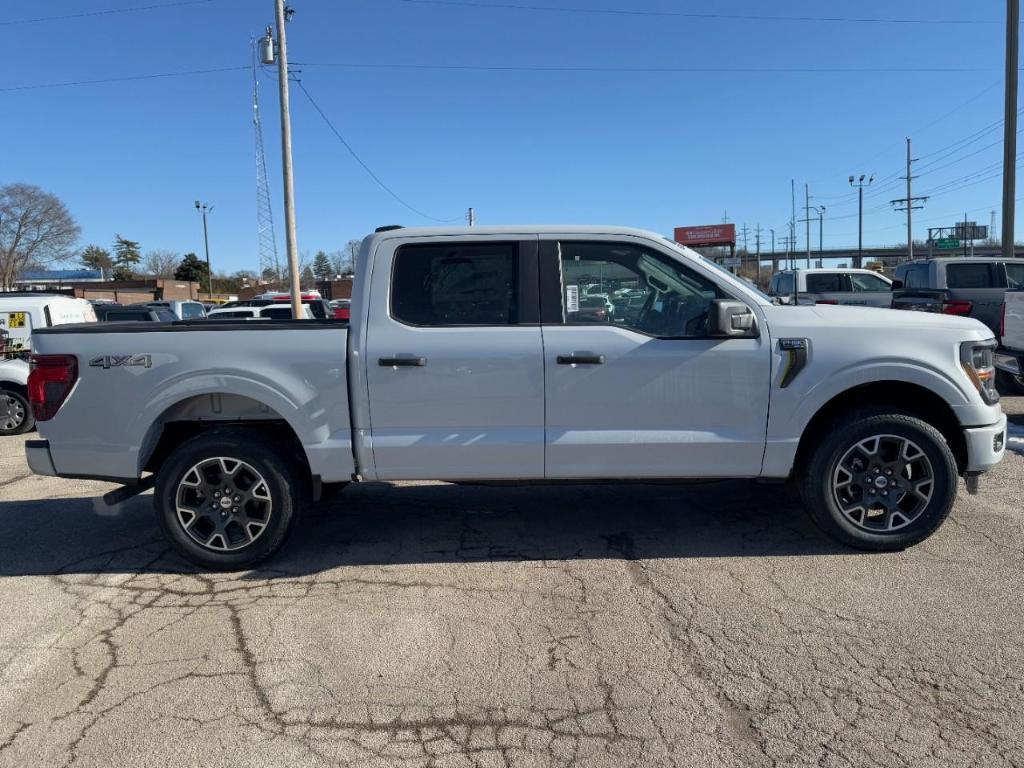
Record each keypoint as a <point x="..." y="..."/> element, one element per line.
<point x="317" y="306"/>
<point x="969" y="286"/>
<point x="861" y="287"/>
<point x="183" y="310"/>
<point x="462" y="363"/>
<point x="116" y="313"/>
<point x="22" y="313"/>
<point x="268" y="311"/>
<point x="1009" y="358"/>
<point x="15" y="412"/>
<point x="342" y="309"/>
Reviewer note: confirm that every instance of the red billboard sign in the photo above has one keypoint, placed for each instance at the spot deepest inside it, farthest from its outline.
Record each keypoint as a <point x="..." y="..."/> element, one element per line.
<point x="713" y="234"/>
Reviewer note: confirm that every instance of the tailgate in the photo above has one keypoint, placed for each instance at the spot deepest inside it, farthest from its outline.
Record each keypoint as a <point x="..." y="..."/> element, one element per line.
<point x="919" y="299"/>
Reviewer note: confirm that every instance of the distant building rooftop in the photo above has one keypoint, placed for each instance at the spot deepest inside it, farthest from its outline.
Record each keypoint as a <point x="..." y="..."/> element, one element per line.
<point x="60" y="275"/>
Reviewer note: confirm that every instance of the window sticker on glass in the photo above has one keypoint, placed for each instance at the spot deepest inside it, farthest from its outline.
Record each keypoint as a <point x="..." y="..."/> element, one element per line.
<point x="572" y="298"/>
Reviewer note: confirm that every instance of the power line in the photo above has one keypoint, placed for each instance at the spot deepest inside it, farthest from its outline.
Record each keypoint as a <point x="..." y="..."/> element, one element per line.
<point x="365" y="167"/>
<point x="646" y="70"/>
<point x="124" y="79"/>
<point x="691" y="15"/>
<point x="106" y="12"/>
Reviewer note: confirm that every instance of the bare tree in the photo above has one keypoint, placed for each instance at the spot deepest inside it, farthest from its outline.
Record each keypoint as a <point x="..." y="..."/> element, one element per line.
<point x="161" y="263"/>
<point x="35" y="229"/>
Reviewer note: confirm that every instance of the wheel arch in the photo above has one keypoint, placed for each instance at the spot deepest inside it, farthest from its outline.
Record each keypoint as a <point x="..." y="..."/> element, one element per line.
<point x="902" y="396"/>
<point x="197" y="414"/>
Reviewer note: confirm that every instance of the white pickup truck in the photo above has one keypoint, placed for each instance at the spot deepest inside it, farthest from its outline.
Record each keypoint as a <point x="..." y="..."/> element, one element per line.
<point x="470" y="357"/>
<point x="1010" y="357"/>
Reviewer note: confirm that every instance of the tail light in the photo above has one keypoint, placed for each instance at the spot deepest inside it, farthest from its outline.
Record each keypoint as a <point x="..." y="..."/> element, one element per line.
<point x="50" y="380"/>
<point x="957" y="307"/>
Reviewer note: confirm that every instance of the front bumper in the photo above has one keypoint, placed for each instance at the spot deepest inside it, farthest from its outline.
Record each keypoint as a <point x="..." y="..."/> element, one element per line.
<point x="37" y="453"/>
<point x="985" y="445"/>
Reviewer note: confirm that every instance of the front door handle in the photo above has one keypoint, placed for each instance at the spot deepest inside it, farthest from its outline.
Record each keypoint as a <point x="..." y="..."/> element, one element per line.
<point x="581" y="358"/>
<point x="402" y="361"/>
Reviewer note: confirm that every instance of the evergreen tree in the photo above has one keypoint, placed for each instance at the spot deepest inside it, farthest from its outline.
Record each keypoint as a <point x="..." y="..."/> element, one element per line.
<point x="94" y="257"/>
<point x="192" y="270"/>
<point x="322" y="267"/>
<point x="126" y="255"/>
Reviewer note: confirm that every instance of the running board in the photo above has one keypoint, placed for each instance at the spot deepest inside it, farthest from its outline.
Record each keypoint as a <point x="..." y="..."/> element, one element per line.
<point x="125" y="492"/>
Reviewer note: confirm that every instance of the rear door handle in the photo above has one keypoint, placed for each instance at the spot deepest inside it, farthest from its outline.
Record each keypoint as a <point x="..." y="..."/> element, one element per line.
<point x="581" y="358"/>
<point x="403" y="361"/>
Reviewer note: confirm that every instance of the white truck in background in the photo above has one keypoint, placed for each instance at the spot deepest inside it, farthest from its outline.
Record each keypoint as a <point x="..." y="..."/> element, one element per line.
<point x="1009" y="358"/>
<point x="470" y="357"/>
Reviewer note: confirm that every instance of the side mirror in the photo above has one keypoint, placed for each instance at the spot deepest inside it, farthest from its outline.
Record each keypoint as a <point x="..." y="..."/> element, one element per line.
<point x="786" y="299"/>
<point x="896" y="285"/>
<point x="732" y="320"/>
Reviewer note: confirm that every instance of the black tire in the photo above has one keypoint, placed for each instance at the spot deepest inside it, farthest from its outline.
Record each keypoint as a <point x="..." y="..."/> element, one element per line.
<point x="15" y="413"/>
<point x="820" y="479"/>
<point x="1009" y="385"/>
<point x="284" y="489"/>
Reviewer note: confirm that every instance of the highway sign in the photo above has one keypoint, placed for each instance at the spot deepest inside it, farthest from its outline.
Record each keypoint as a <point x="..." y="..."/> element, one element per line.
<point x="947" y="243"/>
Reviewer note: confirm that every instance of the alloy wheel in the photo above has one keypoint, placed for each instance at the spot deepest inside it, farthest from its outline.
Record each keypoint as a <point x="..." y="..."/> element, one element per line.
<point x="223" y="504"/>
<point x="883" y="483"/>
<point x="12" y="412"/>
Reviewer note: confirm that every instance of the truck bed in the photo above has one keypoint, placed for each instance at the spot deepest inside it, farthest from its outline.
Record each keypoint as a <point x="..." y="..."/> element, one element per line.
<point x="135" y="379"/>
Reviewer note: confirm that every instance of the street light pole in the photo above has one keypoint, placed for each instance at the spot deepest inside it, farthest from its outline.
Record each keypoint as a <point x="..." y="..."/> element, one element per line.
<point x="860" y="184"/>
<point x="821" y="235"/>
<point x="206" y="244"/>
<point x="1010" y="126"/>
<point x="775" y="263"/>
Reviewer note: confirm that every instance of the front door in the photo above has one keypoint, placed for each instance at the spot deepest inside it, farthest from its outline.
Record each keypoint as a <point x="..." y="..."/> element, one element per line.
<point x="635" y="386"/>
<point x="454" y="360"/>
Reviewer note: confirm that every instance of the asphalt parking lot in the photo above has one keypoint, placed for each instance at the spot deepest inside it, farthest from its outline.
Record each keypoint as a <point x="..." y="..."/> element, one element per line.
<point x="435" y="625"/>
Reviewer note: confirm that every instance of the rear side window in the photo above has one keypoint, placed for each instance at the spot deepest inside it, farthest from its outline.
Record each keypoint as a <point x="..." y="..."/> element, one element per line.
<point x="969" y="276"/>
<point x="236" y="315"/>
<point x="826" y="282"/>
<point x="1014" y="275"/>
<point x="277" y="313"/>
<point x="456" y="284"/>
<point x="916" y="277"/>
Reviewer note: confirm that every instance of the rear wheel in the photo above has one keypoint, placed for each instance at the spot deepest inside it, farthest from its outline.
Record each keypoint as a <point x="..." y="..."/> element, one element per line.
<point x="227" y="499"/>
<point x="15" y="413"/>
<point x="880" y="481"/>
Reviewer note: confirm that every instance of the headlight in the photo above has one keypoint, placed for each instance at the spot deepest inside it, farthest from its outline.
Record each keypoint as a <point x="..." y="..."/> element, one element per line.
<point x="978" y="360"/>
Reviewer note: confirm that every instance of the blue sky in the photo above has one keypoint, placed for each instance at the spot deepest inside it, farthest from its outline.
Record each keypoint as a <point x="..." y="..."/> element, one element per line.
<point x="650" y="149"/>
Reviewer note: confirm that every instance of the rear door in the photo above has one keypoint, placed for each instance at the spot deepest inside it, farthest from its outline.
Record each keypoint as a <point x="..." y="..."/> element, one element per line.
<point x="644" y="391"/>
<point x="982" y="284"/>
<point x="454" y="359"/>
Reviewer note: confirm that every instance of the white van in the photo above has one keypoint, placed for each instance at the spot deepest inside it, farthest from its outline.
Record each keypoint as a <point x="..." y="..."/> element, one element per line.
<point x="21" y="312"/>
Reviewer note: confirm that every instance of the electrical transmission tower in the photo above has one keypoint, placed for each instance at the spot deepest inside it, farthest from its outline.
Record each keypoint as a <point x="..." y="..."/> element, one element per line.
<point x="270" y="266"/>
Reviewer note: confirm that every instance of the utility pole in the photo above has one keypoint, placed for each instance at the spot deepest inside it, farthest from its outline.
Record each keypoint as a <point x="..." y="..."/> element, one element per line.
<point x="757" y="240"/>
<point x="775" y="262"/>
<point x="792" y="218"/>
<point x="807" y="219"/>
<point x="908" y="204"/>
<point x="281" y="16"/>
<point x="471" y="217"/>
<point x="206" y="244"/>
<point x="1010" y="127"/>
<point x="860" y="184"/>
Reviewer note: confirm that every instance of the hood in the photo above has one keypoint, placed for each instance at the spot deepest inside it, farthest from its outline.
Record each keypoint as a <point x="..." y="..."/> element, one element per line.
<point x="873" y="318"/>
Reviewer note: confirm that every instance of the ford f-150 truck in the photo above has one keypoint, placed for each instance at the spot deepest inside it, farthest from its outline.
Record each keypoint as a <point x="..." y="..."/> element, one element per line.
<point x="469" y="357"/>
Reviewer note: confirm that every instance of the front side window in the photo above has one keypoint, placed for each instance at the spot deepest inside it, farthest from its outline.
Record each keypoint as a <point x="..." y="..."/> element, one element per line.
<point x="825" y="282"/>
<point x="632" y="287"/>
<point x="865" y="283"/>
<point x="969" y="276"/>
<point x="454" y="284"/>
<point x="785" y="285"/>
<point x="191" y="311"/>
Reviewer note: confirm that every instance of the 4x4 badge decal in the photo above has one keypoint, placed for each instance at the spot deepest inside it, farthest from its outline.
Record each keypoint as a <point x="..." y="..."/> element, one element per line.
<point x="121" y="361"/>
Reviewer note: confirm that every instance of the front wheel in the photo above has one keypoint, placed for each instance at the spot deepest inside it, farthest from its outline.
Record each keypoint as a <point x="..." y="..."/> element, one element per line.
<point x="15" y="413"/>
<point x="880" y="481"/>
<point x="227" y="499"/>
